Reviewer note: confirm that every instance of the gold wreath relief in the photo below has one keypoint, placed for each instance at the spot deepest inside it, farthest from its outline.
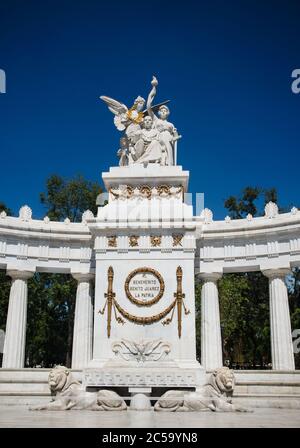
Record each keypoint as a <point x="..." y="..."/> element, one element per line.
<point x="145" y="270"/>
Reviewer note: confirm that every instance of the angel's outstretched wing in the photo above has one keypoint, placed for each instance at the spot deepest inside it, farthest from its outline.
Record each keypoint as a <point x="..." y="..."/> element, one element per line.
<point x="118" y="109"/>
<point x="114" y="106"/>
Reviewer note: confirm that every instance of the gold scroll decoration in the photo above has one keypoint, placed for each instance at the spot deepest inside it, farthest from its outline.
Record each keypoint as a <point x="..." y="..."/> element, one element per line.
<point x="144" y="270"/>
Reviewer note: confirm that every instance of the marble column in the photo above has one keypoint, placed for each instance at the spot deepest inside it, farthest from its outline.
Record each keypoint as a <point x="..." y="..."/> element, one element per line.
<point x="15" y="332"/>
<point x="83" y="322"/>
<point x="211" y="342"/>
<point x="280" y="322"/>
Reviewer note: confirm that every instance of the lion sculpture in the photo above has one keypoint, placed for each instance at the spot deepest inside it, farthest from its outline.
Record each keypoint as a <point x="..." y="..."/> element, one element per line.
<point x="215" y="396"/>
<point x="68" y="394"/>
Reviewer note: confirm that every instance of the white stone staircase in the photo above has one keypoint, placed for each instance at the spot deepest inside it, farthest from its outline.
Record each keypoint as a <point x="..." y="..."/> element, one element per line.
<point x="265" y="389"/>
<point x="26" y="386"/>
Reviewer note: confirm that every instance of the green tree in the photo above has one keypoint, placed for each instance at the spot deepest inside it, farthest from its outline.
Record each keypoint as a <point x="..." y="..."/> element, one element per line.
<point x="4" y="297"/>
<point x="244" y="313"/>
<point x="252" y="200"/>
<point x="239" y="207"/>
<point x="4" y="208"/>
<point x="244" y="298"/>
<point x="294" y="302"/>
<point x="50" y="319"/>
<point x="52" y="296"/>
<point x="69" y="198"/>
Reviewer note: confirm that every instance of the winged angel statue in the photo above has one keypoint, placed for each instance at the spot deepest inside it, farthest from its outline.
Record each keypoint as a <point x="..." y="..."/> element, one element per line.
<point x="147" y="138"/>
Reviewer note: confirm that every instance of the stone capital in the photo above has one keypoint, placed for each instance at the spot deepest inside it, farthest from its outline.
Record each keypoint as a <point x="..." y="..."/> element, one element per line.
<point x="210" y="276"/>
<point x="82" y="277"/>
<point x="276" y="273"/>
<point x="16" y="274"/>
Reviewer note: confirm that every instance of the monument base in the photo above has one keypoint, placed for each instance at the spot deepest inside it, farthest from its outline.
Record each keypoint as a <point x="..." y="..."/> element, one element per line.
<point x="165" y="376"/>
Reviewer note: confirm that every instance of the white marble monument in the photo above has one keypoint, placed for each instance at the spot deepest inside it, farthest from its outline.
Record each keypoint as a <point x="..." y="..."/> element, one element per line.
<point x="136" y="328"/>
<point x="144" y="313"/>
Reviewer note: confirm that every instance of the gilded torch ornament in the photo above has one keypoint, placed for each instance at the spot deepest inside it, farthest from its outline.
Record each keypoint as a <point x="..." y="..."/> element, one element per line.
<point x="109" y="295"/>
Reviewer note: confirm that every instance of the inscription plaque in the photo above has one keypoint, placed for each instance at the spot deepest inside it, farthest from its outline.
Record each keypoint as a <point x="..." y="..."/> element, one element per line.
<point x="144" y="286"/>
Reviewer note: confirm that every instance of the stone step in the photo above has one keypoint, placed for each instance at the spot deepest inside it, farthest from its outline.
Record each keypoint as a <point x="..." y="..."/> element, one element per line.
<point x="19" y="399"/>
<point x="258" y="389"/>
<point x="24" y="387"/>
<point x="281" y="402"/>
<point x="15" y="375"/>
<point x="267" y="388"/>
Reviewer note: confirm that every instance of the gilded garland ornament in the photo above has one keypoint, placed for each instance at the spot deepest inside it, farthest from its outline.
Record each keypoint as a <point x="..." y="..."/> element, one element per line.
<point x="144" y="270"/>
<point x="112" y="305"/>
<point x="148" y="320"/>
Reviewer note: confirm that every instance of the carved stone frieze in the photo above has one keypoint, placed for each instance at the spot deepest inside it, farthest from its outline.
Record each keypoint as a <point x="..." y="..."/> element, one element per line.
<point x="142" y="351"/>
<point x="142" y="377"/>
<point x="146" y="191"/>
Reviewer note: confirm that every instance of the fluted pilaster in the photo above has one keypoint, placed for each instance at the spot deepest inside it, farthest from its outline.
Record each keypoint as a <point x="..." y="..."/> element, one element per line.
<point x="280" y="322"/>
<point x="15" y="332"/>
<point x="211" y="342"/>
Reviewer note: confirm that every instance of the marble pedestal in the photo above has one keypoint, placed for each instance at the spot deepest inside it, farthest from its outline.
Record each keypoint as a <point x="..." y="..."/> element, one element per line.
<point x="144" y="238"/>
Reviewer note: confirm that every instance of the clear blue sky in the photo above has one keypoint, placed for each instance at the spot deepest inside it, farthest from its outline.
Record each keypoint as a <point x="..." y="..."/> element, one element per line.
<point x="225" y="65"/>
